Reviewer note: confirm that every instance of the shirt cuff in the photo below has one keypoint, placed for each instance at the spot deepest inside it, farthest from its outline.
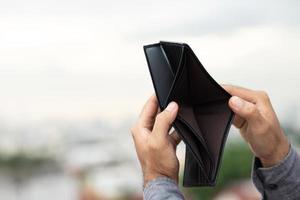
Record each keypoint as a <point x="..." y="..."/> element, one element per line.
<point x="162" y="188"/>
<point x="280" y="179"/>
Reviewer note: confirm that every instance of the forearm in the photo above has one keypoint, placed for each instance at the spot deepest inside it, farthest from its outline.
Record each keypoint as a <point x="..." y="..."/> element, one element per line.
<point x="162" y="188"/>
<point x="281" y="181"/>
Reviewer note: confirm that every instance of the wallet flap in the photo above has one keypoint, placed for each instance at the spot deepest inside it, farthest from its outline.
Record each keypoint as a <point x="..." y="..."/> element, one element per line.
<point x="204" y="88"/>
<point x="210" y="103"/>
<point x="161" y="72"/>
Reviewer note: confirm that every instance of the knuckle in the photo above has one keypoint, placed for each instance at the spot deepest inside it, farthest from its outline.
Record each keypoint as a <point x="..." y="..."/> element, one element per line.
<point x="263" y="94"/>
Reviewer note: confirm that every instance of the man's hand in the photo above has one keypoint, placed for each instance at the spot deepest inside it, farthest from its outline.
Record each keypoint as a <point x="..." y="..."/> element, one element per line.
<point x="258" y="124"/>
<point x="155" y="147"/>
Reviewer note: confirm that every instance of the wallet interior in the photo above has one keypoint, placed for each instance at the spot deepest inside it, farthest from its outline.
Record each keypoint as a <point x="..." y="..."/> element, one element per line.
<point x="204" y="117"/>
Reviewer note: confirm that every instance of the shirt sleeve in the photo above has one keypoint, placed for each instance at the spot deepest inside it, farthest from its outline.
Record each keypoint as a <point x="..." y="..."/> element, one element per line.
<point x="162" y="188"/>
<point x="281" y="181"/>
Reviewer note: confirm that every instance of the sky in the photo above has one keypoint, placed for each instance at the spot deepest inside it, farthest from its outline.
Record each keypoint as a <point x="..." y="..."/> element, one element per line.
<point x="83" y="60"/>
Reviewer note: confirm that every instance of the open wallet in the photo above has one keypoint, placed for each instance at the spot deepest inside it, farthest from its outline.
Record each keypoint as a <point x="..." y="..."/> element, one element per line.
<point x="204" y="117"/>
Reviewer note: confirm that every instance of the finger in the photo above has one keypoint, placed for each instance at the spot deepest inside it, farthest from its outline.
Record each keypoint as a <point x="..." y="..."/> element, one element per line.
<point x="244" y="93"/>
<point x="244" y="109"/>
<point x="238" y="121"/>
<point x="175" y="137"/>
<point x="165" y="119"/>
<point x="149" y="111"/>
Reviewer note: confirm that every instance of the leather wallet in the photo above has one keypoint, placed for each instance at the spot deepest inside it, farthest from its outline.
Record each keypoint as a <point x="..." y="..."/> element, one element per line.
<point x="204" y="117"/>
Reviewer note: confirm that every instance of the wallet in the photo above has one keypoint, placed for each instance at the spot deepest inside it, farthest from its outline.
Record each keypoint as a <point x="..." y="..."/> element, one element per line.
<point x="204" y="117"/>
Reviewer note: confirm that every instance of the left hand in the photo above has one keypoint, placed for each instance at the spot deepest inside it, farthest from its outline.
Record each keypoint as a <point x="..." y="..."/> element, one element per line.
<point x="155" y="147"/>
<point x="258" y="124"/>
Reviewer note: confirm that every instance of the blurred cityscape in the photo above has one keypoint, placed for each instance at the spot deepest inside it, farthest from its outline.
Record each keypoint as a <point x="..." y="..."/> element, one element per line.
<point x="73" y="78"/>
<point x="96" y="160"/>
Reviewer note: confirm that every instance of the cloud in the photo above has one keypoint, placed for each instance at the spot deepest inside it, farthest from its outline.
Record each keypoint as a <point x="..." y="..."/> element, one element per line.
<point x="135" y="18"/>
<point x="215" y="17"/>
<point x="85" y="59"/>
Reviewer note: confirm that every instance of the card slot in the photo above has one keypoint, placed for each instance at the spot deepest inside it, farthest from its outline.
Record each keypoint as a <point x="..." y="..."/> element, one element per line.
<point x="198" y="151"/>
<point x="186" y="115"/>
<point x="193" y="173"/>
<point x="197" y="137"/>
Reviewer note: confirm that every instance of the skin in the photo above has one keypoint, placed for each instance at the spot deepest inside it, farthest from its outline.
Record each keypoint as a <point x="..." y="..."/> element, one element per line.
<point x="255" y="118"/>
<point x="258" y="124"/>
<point x="155" y="147"/>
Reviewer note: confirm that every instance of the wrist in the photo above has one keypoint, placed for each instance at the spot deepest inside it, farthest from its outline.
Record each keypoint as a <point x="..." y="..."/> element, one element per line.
<point x="279" y="153"/>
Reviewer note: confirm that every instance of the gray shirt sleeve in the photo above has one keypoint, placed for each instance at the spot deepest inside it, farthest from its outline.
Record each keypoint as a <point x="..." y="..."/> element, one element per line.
<point x="162" y="188"/>
<point x="281" y="181"/>
<point x="275" y="183"/>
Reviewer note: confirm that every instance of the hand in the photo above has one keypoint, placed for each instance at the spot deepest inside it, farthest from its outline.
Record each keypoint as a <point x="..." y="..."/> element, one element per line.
<point x="258" y="124"/>
<point x="155" y="147"/>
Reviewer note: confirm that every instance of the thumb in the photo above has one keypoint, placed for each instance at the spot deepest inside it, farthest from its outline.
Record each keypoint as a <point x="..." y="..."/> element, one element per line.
<point x="165" y="119"/>
<point x="244" y="109"/>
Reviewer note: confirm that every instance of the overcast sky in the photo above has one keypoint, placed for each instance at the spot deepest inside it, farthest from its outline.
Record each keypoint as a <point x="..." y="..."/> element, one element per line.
<point x="84" y="60"/>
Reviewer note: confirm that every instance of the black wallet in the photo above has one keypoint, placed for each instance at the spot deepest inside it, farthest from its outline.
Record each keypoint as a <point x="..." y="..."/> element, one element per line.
<point x="204" y="117"/>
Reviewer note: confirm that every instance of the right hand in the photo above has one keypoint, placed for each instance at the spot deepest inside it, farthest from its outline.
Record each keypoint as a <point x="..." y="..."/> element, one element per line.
<point x="155" y="147"/>
<point x="258" y="124"/>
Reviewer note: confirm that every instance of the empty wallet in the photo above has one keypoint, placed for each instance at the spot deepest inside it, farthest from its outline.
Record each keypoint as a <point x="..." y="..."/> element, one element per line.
<point x="204" y="117"/>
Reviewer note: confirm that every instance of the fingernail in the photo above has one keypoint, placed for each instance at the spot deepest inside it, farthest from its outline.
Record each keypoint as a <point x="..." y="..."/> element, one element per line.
<point x="171" y="106"/>
<point x="237" y="102"/>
